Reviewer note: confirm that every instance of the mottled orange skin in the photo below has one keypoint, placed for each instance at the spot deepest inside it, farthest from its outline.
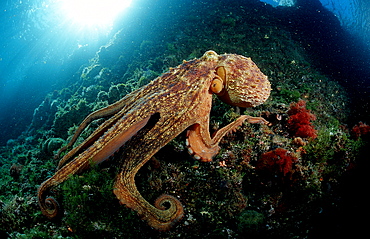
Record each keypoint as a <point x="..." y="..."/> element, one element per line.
<point x="147" y="119"/>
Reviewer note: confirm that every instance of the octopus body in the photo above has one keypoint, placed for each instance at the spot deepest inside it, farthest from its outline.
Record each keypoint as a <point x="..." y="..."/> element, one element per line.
<point x="147" y="119"/>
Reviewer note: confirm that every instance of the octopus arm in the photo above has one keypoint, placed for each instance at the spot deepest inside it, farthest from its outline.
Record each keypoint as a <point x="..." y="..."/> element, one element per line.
<point x="167" y="210"/>
<point x="165" y="213"/>
<point x="110" y="110"/>
<point x="203" y="147"/>
<point x="98" y="152"/>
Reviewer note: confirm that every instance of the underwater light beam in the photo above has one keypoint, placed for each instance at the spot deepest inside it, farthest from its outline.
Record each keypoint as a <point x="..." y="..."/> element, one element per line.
<point x="94" y="13"/>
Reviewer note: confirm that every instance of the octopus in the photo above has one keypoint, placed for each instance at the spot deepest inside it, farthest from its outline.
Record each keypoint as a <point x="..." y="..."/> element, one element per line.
<point x="145" y="120"/>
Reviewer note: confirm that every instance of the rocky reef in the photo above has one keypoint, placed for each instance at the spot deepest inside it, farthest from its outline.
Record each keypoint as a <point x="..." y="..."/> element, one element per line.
<point x="288" y="180"/>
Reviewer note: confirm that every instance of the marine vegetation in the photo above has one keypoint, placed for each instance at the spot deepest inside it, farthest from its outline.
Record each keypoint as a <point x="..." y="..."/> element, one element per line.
<point x="299" y="122"/>
<point x="277" y="161"/>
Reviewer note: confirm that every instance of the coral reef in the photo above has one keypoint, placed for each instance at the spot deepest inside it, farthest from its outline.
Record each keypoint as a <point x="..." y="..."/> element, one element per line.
<point x="299" y="123"/>
<point x="277" y="161"/>
<point x="360" y="129"/>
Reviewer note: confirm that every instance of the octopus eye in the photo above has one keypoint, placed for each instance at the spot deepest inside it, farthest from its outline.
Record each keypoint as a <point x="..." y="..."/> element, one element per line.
<point x="217" y="85"/>
<point x="221" y="72"/>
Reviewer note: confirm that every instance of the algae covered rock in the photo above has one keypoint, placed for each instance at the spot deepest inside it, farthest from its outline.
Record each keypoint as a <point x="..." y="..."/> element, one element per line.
<point x="51" y="145"/>
<point x="250" y="222"/>
<point x="73" y="113"/>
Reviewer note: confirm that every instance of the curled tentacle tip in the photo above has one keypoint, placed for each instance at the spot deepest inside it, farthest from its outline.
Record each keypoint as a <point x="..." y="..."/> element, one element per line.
<point x="172" y="210"/>
<point x="50" y="208"/>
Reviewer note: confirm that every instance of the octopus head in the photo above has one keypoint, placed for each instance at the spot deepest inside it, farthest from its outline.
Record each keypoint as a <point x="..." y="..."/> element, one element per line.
<point x="239" y="82"/>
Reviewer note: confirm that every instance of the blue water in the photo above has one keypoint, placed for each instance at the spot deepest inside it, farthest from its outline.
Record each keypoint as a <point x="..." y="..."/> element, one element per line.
<point x="354" y="15"/>
<point x="41" y="51"/>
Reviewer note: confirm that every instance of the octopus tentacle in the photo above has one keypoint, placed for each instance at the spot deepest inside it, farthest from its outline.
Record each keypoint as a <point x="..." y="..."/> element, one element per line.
<point x="98" y="152"/>
<point x="49" y="206"/>
<point x="52" y="207"/>
<point x="202" y="147"/>
<point x="157" y="134"/>
<point x="199" y="143"/>
<point x="232" y="126"/>
<point x="101" y="113"/>
<point x="159" y="216"/>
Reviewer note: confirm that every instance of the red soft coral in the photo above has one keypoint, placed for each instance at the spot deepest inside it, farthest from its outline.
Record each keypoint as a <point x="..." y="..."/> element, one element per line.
<point x="360" y="129"/>
<point x="276" y="161"/>
<point x="299" y="122"/>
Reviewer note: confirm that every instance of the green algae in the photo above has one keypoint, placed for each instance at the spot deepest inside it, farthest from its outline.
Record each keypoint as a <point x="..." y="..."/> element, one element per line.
<point x="90" y="204"/>
<point x="251" y="223"/>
